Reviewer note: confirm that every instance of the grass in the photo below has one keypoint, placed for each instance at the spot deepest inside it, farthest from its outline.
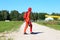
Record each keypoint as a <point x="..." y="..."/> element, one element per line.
<point x="51" y="24"/>
<point x="8" y="26"/>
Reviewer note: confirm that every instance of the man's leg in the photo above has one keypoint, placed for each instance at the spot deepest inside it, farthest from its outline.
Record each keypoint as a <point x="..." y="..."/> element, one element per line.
<point x="30" y="27"/>
<point x="26" y="26"/>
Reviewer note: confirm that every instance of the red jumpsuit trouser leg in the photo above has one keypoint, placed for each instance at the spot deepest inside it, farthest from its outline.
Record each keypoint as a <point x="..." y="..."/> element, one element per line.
<point x="30" y="27"/>
<point x="26" y="26"/>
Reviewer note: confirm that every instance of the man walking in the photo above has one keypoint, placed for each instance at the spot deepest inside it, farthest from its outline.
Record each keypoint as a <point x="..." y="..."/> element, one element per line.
<point x="27" y="20"/>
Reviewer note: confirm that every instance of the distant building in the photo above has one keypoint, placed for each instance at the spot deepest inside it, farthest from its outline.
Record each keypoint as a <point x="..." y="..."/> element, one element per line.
<point x="48" y="19"/>
<point x="51" y="17"/>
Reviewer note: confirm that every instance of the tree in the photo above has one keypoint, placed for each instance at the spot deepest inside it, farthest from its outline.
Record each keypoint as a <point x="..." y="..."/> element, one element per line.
<point x="21" y="16"/>
<point x="14" y="15"/>
<point x="0" y="16"/>
<point x="42" y="16"/>
<point x="36" y="16"/>
<point x="32" y="16"/>
<point x="4" y="14"/>
<point x="56" y="14"/>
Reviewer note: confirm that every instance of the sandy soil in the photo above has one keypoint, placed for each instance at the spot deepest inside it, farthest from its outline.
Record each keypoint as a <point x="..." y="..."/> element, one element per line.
<point x="42" y="33"/>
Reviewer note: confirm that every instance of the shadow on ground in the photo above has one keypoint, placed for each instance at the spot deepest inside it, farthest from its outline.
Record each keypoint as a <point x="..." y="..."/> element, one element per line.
<point x="37" y="32"/>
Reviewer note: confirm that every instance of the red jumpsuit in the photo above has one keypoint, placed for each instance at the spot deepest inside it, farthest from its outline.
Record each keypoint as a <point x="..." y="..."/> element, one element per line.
<point x="28" y="22"/>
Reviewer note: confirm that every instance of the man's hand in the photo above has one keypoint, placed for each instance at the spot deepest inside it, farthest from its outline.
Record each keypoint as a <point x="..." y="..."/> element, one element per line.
<point x="27" y="20"/>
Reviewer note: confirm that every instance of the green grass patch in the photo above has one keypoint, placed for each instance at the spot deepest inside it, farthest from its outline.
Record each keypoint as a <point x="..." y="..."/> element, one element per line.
<point x="51" y="24"/>
<point x="8" y="26"/>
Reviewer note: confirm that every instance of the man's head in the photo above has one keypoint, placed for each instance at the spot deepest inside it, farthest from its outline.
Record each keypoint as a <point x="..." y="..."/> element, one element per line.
<point x="29" y="9"/>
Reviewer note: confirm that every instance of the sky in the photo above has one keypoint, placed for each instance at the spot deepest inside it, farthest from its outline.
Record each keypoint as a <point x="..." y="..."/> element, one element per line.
<point x="47" y="6"/>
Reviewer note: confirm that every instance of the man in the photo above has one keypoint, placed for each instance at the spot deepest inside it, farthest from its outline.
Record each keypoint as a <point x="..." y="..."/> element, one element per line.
<point x="27" y="20"/>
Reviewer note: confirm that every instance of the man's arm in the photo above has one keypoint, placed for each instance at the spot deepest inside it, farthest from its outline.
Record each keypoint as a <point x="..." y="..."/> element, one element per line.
<point x="28" y="17"/>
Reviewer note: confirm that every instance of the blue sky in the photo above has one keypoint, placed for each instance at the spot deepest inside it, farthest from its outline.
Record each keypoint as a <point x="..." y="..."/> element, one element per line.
<point x="47" y="6"/>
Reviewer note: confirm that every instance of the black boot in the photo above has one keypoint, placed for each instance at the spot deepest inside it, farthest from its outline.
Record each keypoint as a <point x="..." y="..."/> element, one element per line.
<point x="32" y="33"/>
<point x="25" y="33"/>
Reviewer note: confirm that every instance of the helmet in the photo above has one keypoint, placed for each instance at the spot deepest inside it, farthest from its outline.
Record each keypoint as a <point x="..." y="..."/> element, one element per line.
<point x="29" y="9"/>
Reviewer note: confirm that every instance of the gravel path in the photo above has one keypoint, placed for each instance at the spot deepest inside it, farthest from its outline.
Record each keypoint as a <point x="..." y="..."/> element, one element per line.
<point x="42" y="33"/>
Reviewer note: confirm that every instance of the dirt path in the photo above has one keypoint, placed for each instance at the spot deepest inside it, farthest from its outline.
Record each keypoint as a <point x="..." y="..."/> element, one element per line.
<point x="43" y="33"/>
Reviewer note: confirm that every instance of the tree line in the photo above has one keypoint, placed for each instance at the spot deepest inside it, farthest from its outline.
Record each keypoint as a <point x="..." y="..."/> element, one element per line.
<point x="14" y="15"/>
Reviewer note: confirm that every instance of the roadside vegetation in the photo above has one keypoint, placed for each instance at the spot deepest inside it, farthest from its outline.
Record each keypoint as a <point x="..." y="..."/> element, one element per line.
<point x="8" y="26"/>
<point x="52" y="24"/>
